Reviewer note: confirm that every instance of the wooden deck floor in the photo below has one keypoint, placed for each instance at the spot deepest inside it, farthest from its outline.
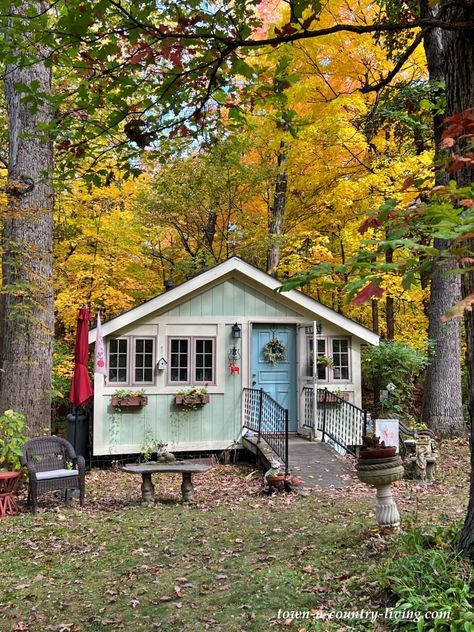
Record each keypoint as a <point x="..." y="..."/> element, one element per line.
<point x="316" y="463"/>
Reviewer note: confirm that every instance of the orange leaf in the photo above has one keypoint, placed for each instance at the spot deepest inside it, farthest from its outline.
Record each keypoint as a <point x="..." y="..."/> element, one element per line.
<point x="447" y="142"/>
<point x="458" y="309"/>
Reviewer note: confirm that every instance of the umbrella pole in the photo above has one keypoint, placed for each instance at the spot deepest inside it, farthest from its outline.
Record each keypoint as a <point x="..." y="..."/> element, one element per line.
<point x="76" y="413"/>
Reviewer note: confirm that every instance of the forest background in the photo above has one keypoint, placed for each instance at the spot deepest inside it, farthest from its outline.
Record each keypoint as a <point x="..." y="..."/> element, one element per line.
<point x="287" y="185"/>
<point x="284" y="164"/>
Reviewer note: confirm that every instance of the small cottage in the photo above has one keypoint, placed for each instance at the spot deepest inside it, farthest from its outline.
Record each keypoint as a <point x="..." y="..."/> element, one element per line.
<point x="194" y="355"/>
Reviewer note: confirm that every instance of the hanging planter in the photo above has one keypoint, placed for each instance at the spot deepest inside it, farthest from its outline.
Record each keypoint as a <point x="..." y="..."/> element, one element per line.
<point x="324" y="361"/>
<point x="274" y="351"/>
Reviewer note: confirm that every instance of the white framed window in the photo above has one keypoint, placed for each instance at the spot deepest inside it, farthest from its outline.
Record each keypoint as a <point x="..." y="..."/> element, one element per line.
<point x="192" y="360"/>
<point x="179" y="360"/>
<point x="118" y="361"/>
<point x="339" y="350"/>
<point x="341" y="369"/>
<point x="131" y="360"/>
<point x="143" y="360"/>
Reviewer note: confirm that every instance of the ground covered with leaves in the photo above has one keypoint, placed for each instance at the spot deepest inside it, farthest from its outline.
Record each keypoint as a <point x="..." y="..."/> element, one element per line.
<point x="238" y="560"/>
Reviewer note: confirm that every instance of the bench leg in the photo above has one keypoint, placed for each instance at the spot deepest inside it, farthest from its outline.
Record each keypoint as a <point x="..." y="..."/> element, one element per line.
<point x="187" y="489"/>
<point x="148" y="489"/>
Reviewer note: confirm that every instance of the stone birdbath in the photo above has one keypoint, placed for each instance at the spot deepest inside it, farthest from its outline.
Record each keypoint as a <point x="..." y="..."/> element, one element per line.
<point x="379" y="466"/>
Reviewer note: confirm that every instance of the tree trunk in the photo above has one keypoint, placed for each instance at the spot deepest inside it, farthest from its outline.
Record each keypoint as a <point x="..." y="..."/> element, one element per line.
<point x="459" y="64"/>
<point x="278" y="212"/>
<point x="375" y="316"/>
<point x="27" y="292"/>
<point x="442" y="395"/>
<point x="389" y="303"/>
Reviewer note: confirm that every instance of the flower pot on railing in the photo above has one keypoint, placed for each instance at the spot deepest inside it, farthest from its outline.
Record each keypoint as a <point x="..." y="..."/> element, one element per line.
<point x="129" y="401"/>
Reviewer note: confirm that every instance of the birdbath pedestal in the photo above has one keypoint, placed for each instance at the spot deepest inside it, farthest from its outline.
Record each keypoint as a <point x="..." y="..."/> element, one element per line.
<point x="381" y="473"/>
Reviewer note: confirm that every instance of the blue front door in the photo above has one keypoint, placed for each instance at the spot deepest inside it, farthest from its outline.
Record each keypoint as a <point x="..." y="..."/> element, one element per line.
<point x="277" y="379"/>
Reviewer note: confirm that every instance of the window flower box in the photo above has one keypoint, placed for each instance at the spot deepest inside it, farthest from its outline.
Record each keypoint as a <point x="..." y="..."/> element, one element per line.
<point x="129" y="401"/>
<point x="191" y="400"/>
<point x="127" y="398"/>
<point x="194" y="396"/>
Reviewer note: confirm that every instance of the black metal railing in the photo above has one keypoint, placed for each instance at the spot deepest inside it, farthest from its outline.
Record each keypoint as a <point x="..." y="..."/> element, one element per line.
<point x="268" y="419"/>
<point x="341" y="423"/>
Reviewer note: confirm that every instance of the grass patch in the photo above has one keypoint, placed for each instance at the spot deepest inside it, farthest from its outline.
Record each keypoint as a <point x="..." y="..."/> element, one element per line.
<point x="232" y="564"/>
<point x="174" y="568"/>
<point x="427" y="574"/>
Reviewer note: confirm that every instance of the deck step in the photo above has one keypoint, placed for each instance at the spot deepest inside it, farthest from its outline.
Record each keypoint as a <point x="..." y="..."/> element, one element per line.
<point x="316" y="463"/>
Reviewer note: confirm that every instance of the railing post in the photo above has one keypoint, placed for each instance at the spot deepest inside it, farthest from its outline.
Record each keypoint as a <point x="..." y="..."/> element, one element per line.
<point x="260" y="415"/>
<point x="286" y="442"/>
<point x="323" y="430"/>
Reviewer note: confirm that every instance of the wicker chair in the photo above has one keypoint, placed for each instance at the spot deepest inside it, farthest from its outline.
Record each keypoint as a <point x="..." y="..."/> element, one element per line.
<point x="47" y="460"/>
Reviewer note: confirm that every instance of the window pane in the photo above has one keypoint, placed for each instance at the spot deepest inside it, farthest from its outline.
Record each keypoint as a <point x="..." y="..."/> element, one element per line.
<point x="122" y="345"/>
<point x="148" y="346"/>
<point x="341" y="359"/>
<point x="143" y="360"/>
<point x="322" y="371"/>
<point x="204" y="360"/>
<point x="118" y="360"/>
<point x="179" y="357"/>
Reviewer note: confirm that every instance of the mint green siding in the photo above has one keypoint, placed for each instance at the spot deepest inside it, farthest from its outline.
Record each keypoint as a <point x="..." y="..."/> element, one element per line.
<point x="218" y="422"/>
<point x="233" y="298"/>
<point x="214" y="422"/>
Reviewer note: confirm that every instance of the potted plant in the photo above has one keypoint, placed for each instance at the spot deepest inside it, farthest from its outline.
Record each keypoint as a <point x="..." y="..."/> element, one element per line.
<point x="324" y="361"/>
<point x="194" y="396"/>
<point x="123" y="398"/>
<point x="12" y="438"/>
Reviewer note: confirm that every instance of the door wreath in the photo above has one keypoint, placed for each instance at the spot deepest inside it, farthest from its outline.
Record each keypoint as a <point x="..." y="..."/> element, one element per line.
<point x="274" y="351"/>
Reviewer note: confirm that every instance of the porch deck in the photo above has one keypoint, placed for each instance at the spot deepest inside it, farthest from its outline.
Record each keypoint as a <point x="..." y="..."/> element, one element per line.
<point x="316" y="463"/>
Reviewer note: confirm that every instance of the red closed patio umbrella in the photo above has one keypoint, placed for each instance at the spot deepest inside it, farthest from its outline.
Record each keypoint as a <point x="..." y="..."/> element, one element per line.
<point x="81" y="387"/>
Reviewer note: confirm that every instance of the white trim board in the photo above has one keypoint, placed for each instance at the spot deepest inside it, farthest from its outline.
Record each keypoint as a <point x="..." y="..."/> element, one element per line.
<point x="238" y="267"/>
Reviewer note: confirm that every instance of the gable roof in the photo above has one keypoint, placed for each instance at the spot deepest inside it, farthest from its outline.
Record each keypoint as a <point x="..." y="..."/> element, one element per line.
<point x="231" y="267"/>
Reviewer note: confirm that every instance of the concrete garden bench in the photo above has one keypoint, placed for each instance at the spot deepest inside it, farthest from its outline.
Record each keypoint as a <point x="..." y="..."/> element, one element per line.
<point x="147" y="469"/>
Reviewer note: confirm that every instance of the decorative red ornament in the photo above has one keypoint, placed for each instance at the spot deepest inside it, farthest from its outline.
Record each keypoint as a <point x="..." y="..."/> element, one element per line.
<point x="234" y="368"/>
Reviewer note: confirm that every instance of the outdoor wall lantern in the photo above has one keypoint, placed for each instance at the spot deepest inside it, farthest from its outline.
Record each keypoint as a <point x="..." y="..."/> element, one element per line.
<point x="319" y="328"/>
<point x="236" y="331"/>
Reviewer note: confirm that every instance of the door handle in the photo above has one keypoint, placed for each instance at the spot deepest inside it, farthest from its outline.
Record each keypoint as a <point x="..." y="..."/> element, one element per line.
<point x="254" y="383"/>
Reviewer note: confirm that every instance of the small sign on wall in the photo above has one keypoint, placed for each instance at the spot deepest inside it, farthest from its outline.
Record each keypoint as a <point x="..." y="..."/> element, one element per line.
<point x="387" y="430"/>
